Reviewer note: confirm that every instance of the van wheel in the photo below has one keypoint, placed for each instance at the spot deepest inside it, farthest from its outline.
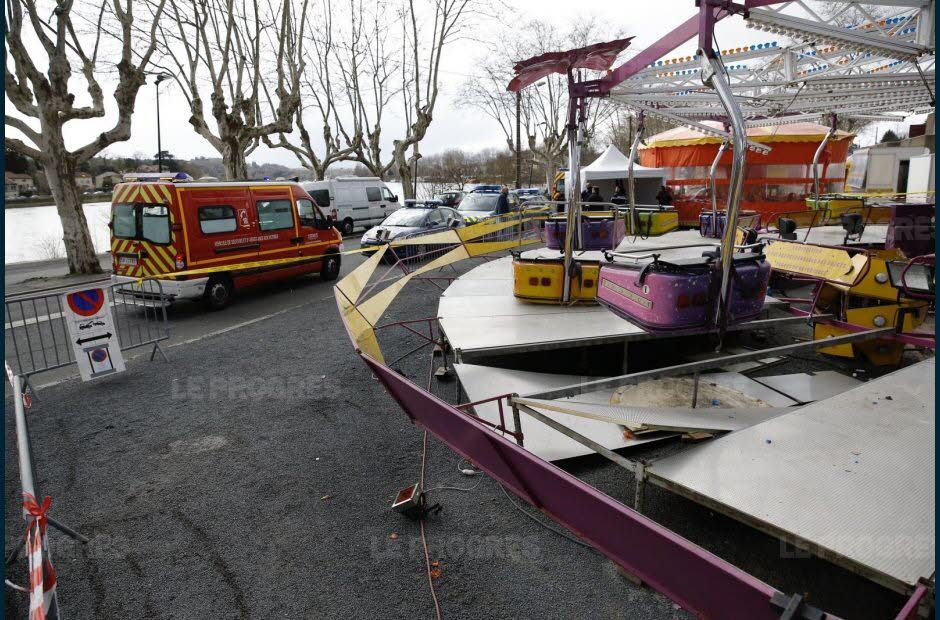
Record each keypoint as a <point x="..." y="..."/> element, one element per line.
<point x="348" y="227"/>
<point x="330" y="269"/>
<point x="219" y="292"/>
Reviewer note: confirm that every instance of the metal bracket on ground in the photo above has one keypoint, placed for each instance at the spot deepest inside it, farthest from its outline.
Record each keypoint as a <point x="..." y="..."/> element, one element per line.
<point x="795" y="607"/>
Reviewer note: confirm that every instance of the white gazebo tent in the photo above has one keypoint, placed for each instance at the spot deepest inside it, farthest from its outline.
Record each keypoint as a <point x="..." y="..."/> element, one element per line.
<point x="612" y="166"/>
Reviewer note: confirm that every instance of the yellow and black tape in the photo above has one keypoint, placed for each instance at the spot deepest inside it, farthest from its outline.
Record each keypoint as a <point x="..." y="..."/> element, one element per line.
<point x="277" y="262"/>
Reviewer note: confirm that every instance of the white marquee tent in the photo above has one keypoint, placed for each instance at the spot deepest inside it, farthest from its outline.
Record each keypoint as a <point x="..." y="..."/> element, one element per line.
<point x="612" y="165"/>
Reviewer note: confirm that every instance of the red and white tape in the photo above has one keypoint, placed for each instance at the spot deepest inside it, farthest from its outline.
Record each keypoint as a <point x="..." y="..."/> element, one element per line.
<point x="42" y="577"/>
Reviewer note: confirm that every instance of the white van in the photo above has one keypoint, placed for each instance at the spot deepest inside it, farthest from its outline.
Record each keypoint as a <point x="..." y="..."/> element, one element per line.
<point x="354" y="202"/>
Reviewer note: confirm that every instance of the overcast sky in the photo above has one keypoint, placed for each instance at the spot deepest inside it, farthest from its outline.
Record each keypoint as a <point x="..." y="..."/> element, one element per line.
<point x="454" y="125"/>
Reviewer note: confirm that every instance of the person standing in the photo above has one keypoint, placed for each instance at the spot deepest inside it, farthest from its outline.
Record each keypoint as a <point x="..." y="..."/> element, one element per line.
<point x="595" y="195"/>
<point x="619" y="197"/>
<point x="664" y="196"/>
<point x="502" y="203"/>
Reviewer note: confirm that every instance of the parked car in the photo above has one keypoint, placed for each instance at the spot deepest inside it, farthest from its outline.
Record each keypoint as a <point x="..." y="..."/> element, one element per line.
<point x="526" y="192"/>
<point x="162" y="227"/>
<point x="450" y="199"/>
<point x="479" y="205"/>
<point x="353" y="202"/>
<point x="412" y="221"/>
<point x="482" y="187"/>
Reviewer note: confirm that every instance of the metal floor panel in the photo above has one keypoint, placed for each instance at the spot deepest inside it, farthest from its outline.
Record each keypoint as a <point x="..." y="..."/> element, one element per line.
<point x="849" y="478"/>
<point x="488" y="270"/>
<point x="834" y="235"/>
<point x="502" y="305"/>
<point x="533" y="332"/>
<point x="660" y="418"/>
<point x="748" y="387"/>
<point x="808" y="387"/>
<point x="480" y="382"/>
<point x="478" y="287"/>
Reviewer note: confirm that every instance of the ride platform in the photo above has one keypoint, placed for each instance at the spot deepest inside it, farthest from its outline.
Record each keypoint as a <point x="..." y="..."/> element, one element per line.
<point x="849" y="478"/>
<point x="482" y="318"/>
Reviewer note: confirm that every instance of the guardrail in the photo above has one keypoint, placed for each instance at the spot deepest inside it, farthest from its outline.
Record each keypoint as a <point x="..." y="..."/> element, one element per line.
<point x="37" y="337"/>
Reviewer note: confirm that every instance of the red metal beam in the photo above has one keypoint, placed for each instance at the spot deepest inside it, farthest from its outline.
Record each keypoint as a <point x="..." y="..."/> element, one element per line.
<point x="697" y="580"/>
<point x="679" y="35"/>
<point x="700" y="24"/>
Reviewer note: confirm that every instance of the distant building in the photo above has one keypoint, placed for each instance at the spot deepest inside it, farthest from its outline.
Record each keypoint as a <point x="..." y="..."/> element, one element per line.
<point x="84" y="181"/>
<point x="16" y="184"/>
<point x="107" y="180"/>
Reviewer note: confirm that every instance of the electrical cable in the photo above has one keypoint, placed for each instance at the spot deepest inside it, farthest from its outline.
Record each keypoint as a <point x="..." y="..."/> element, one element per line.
<point x="450" y="488"/>
<point x="543" y="523"/>
<point x="424" y="538"/>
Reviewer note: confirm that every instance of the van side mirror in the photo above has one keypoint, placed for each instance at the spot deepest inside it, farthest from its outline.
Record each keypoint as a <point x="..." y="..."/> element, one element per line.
<point x="454" y="223"/>
<point x="394" y="198"/>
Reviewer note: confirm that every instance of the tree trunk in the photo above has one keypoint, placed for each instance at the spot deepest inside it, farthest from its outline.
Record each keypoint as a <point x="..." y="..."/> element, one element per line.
<point x="79" y="249"/>
<point x="407" y="180"/>
<point x="233" y="158"/>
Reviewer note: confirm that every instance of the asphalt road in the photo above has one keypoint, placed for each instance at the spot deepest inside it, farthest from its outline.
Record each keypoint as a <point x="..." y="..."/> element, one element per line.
<point x="251" y="477"/>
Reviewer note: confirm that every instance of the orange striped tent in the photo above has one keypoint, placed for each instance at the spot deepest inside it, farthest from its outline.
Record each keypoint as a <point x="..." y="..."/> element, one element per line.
<point x="775" y="183"/>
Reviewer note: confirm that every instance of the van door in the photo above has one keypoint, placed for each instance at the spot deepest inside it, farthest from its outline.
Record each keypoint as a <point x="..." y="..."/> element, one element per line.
<point x="220" y="226"/>
<point x="390" y="199"/>
<point x="316" y="239"/>
<point x="278" y="231"/>
<point x="353" y="207"/>
<point x="377" y="205"/>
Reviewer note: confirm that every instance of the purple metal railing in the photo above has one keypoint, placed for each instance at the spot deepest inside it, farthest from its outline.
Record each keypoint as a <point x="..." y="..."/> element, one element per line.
<point x="909" y="611"/>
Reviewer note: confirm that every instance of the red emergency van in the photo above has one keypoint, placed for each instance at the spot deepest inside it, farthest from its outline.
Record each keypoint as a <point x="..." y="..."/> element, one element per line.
<point x="162" y="227"/>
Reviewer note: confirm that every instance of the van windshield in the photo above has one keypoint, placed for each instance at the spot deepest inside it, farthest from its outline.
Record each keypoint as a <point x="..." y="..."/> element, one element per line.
<point x="479" y="202"/>
<point x="144" y="222"/>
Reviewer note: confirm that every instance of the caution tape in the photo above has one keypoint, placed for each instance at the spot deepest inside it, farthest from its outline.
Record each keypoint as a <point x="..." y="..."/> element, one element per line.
<point x="42" y="577"/>
<point x="251" y="265"/>
<point x="274" y="262"/>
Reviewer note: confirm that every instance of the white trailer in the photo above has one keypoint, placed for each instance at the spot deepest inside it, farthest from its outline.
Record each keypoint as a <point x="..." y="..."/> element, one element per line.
<point x="920" y="183"/>
<point x="882" y="169"/>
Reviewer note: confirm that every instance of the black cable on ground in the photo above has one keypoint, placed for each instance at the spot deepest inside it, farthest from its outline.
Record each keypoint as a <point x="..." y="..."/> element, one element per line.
<point x="543" y="523"/>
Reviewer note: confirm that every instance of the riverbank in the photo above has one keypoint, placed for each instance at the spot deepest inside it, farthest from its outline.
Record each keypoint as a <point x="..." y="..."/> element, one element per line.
<point x="21" y="278"/>
<point x="43" y="201"/>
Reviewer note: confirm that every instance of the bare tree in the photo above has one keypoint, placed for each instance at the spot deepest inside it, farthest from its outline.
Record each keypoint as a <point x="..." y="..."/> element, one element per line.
<point x="238" y="49"/>
<point x="427" y="28"/>
<point x="543" y="106"/>
<point x="347" y="77"/>
<point x="46" y="95"/>
<point x="622" y="129"/>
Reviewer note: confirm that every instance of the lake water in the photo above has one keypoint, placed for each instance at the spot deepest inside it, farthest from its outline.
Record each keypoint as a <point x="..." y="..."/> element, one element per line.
<point x="35" y="233"/>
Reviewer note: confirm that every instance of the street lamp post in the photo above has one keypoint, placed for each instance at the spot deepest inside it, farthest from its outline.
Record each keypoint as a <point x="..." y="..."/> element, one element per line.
<point x="519" y="135"/>
<point x="518" y="140"/>
<point x="159" y="79"/>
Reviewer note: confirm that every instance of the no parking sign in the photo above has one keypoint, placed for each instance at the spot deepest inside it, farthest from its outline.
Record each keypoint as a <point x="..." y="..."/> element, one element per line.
<point x="91" y="329"/>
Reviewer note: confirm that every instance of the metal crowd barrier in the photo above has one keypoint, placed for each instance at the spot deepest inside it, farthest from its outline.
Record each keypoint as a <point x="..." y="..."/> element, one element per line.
<point x="37" y="337"/>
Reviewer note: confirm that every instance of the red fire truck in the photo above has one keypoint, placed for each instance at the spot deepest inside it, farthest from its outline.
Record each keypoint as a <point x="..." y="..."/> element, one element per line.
<point x="248" y="232"/>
